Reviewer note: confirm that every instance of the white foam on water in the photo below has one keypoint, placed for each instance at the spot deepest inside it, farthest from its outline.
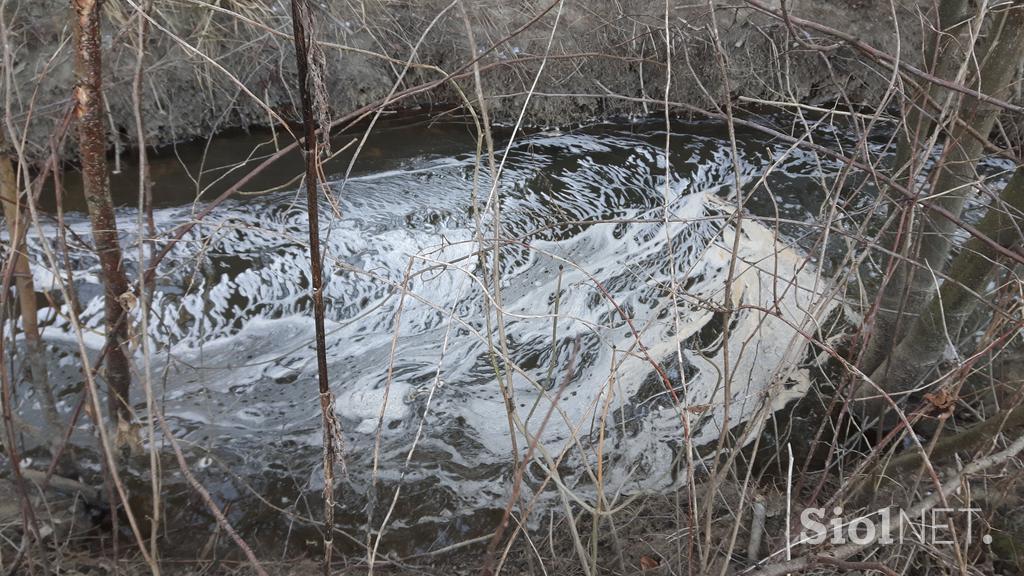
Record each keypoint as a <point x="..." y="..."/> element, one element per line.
<point x="234" y="338"/>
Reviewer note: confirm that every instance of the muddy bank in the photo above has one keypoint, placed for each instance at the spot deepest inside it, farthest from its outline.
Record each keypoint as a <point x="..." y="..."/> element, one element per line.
<point x="597" y="48"/>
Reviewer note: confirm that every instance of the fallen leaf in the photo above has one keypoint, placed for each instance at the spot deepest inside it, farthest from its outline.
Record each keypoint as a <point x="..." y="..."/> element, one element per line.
<point x="648" y="563"/>
<point x="942" y="400"/>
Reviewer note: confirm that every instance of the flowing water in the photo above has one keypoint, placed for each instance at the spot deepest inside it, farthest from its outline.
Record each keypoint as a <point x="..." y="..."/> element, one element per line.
<point x="632" y="248"/>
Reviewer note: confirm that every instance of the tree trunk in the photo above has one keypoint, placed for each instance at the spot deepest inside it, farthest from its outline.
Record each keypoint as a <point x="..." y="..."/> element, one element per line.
<point x="943" y="54"/>
<point x="16" y="225"/>
<point x="941" y="321"/>
<point x="307" y="86"/>
<point x="958" y="172"/>
<point x="92" y="139"/>
<point x="911" y="287"/>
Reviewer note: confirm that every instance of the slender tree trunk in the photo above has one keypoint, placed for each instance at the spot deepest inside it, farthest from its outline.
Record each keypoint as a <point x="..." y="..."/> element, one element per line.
<point x="941" y="321"/>
<point x="36" y="352"/>
<point x="943" y="54"/>
<point x="92" y="140"/>
<point x="303" y="47"/>
<point x="958" y="173"/>
<point x="911" y="287"/>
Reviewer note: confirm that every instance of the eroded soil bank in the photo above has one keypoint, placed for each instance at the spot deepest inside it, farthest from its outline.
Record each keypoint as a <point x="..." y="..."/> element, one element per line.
<point x="206" y="64"/>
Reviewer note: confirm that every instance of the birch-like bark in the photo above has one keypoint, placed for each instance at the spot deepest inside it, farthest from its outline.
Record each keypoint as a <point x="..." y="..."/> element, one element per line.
<point x="92" y="141"/>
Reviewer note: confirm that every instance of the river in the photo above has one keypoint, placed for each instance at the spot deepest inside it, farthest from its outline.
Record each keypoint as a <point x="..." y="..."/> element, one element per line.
<point x="631" y="247"/>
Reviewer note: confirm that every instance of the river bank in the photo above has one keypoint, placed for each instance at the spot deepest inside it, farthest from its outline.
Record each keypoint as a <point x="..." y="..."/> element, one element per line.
<point x="210" y="67"/>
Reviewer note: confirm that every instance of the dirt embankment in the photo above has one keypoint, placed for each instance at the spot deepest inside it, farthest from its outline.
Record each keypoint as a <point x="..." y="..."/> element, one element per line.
<point x="207" y="61"/>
